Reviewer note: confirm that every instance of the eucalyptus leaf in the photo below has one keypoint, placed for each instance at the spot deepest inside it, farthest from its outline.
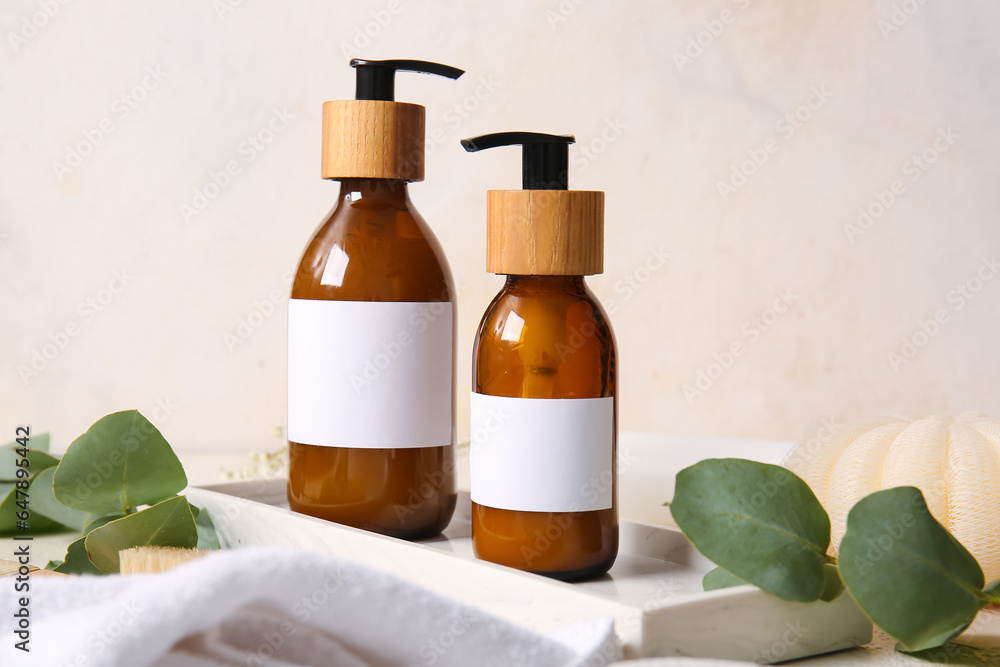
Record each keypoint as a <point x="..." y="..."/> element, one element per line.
<point x="166" y="524"/>
<point x="906" y="572"/>
<point x="43" y="502"/>
<point x="95" y="522"/>
<point x="957" y="654"/>
<point x="719" y="578"/>
<point x="40" y="442"/>
<point x="834" y="585"/>
<point x="992" y="592"/>
<point x="758" y="521"/>
<point x="207" y="537"/>
<point x="77" y="561"/>
<point x="37" y="462"/>
<point x="37" y="523"/>
<point x="119" y="464"/>
<point x="7" y="509"/>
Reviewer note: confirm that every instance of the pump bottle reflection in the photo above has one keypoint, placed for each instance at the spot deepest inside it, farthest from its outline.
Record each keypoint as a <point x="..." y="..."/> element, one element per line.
<point x="373" y="449"/>
<point x="544" y="473"/>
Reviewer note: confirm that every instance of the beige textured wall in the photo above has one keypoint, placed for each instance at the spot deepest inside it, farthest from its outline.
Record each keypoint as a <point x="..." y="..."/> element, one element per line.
<point x="736" y="142"/>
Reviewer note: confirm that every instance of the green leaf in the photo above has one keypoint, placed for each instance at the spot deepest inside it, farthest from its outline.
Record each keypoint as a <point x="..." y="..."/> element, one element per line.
<point x="44" y="503"/>
<point x="720" y="578"/>
<point x="957" y="654"/>
<point x="758" y="521"/>
<point x="37" y="462"/>
<point x="207" y="537"/>
<point x="77" y="561"/>
<point x="96" y="522"/>
<point x="120" y="463"/>
<point x="906" y="572"/>
<point x="53" y="564"/>
<point x="834" y="586"/>
<point x="37" y="523"/>
<point x="166" y="524"/>
<point x="39" y="442"/>
<point x="7" y="507"/>
<point x="992" y="592"/>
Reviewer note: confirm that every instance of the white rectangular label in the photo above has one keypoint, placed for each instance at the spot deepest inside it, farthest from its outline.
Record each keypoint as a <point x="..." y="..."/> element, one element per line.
<point x="542" y="454"/>
<point x="369" y="374"/>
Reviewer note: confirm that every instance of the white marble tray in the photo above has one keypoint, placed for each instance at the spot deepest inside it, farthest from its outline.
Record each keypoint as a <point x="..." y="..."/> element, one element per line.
<point x="653" y="591"/>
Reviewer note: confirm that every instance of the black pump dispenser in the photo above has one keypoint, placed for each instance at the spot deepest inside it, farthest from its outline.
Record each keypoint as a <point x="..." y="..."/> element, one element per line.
<point x="544" y="157"/>
<point x="377" y="78"/>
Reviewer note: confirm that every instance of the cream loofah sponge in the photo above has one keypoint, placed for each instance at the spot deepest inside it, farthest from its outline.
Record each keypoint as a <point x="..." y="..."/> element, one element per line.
<point x="954" y="461"/>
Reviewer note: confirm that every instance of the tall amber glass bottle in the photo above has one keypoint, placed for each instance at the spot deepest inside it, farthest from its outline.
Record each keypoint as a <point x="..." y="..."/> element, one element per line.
<point x="544" y="401"/>
<point x="371" y="329"/>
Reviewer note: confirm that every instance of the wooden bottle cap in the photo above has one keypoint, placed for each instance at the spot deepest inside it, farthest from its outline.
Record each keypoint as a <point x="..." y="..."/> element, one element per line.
<point x="373" y="139"/>
<point x="545" y="232"/>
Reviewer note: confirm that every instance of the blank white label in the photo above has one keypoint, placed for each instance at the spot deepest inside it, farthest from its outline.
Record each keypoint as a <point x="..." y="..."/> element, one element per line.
<point x="541" y="454"/>
<point x="369" y="374"/>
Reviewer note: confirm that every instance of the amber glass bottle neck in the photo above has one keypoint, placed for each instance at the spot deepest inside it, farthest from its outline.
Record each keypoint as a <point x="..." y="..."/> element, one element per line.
<point x="546" y="283"/>
<point x="381" y="190"/>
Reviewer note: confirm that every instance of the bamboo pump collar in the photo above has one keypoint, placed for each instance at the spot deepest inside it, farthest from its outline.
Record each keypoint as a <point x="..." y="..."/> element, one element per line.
<point x="544" y="229"/>
<point x="374" y="136"/>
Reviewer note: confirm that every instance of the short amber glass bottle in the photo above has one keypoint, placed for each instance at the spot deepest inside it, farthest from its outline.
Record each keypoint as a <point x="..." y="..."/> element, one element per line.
<point x="565" y="350"/>
<point x="387" y="253"/>
<point x="544" y="404"/>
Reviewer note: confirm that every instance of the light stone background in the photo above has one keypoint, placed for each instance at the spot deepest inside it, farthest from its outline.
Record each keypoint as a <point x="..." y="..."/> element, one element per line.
<point x="661" y="121"/>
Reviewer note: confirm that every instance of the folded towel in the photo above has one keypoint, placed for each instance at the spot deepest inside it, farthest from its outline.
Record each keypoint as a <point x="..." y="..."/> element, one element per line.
<point x="278" y="607"/>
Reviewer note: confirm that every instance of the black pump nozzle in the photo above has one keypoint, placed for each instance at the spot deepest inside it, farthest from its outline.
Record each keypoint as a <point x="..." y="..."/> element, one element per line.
<point x="377" y="78"/>
<point x="544" y="157"/>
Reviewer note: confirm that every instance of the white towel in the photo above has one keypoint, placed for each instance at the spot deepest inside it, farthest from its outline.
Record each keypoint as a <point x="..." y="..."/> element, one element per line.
<point x="277" y="607"/>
